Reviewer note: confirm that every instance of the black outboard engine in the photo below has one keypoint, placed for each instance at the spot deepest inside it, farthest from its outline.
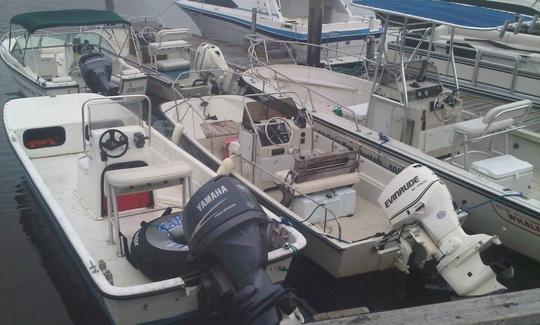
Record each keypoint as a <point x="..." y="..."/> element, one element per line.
<point x="224" y="223"/>
<point x="96" y="71"/>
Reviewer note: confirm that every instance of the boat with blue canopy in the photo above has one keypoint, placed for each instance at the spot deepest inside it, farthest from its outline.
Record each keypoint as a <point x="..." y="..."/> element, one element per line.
<point x="58" y="52"/>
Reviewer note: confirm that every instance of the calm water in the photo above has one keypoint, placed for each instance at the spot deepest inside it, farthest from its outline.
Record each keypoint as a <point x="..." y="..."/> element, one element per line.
<point x="40" y="285"/>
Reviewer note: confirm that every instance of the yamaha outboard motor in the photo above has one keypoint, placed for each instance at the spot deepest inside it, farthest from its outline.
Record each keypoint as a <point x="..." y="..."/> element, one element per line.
<point x="223" y="223"/>
<point x="96" y="71"/>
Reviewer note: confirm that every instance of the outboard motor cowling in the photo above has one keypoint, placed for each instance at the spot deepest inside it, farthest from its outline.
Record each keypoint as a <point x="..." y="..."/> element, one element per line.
<point x="224" y="222"/>
<point x="96" y="71"/>
<point x="419" y="206"/>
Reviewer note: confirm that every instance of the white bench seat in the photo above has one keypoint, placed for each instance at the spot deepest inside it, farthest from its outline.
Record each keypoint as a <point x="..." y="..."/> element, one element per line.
<point x="148" y="177"/>
<point x="319" y="185"/>
<point x="142" y="179"/>
<point x="173" y="64"/>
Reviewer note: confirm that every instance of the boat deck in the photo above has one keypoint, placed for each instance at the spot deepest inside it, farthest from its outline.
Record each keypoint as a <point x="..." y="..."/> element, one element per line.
<point x="60" y="174"/>
<point x="367" y="221"/>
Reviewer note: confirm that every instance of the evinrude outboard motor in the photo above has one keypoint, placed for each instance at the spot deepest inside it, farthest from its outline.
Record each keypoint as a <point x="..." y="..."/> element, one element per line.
<point x="223" y="222"/>
<point x="96" y="71"/>
<point x="419" y="205"/>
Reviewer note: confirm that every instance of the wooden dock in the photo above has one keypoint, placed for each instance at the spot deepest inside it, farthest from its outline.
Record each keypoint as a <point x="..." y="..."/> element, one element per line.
<point x="521" y="307"/>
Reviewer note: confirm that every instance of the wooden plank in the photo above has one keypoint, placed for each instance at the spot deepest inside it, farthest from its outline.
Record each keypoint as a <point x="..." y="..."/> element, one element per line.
<point x="522" y="307"/>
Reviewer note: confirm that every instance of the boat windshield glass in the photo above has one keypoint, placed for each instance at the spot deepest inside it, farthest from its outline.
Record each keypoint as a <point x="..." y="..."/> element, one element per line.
<point x="44" y="41"/>
<point x="113" y="112"/>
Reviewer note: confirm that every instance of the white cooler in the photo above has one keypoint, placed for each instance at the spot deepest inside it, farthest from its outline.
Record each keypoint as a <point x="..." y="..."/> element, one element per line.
<point x="507" y="171"/>
<point x="342" y="202"/>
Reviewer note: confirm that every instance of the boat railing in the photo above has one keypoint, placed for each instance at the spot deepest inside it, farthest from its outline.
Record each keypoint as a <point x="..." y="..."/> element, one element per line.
<point x="258" y="41"/>
<point x="479" y="58"/>
<point x="281" y="182"/>
<point x="310" y="92"/>
<point x="346" y="141"/>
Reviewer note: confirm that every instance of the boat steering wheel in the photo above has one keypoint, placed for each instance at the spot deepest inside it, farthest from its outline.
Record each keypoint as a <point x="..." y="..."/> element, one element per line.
<point x="445" y="96"/>
<point x="111" y="140"/>
<point x="278" y="131"/>
<point x="148" y="34"/>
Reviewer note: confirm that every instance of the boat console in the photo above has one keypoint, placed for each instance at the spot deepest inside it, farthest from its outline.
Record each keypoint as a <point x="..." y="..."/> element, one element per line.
<point x="287" y="154"/>
<point x="111" y="141"/>
<point x="418" y="110"/>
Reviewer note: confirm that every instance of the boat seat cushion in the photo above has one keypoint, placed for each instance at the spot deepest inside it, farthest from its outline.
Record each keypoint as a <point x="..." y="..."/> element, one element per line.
<point x="174" y="34"/>
<point x="168" y="44"/>
<point x="148" y="175"/>
<point x="320" y="184"/>
<point x="173" y="64"/>
<point x="477" y="126"/>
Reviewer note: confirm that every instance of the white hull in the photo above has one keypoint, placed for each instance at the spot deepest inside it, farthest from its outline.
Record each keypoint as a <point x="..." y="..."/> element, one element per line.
<point x="31" y="85"/>
<point x="516" y="220"/>
<point x="132" y="298"/>
<point x="231" y="25"/>
<point x="339" y="258"/>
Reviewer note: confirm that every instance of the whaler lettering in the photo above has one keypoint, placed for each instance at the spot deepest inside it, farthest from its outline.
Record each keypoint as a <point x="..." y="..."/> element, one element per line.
<point x="211" y="197"/>
<point x="401" y="190"/>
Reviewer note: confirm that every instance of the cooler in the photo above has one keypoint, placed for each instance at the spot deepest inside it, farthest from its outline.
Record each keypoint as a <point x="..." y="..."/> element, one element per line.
<point x="507" y="171"/>
<point x="341" y="201"/>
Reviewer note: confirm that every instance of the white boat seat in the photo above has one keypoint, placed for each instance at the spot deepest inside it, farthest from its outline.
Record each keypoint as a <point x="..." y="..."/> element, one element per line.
<point x="142" y="179"/>
<point x="152" y="47"/>
<point x="477" y="126"/>
<point x="496" y="119"/>
<point x="322" y="184"/>
<point x="173" y="64"/>
<point x="148" y="177"/>
<point x="174" y="34"/>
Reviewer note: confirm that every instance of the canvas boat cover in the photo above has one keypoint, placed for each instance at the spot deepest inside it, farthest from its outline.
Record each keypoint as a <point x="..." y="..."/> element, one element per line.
<point x="32" y="21"/>
<point x="442" y="12"/>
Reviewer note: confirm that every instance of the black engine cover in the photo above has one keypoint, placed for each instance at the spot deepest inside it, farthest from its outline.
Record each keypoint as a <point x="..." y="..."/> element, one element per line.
<point x="96" y="71"/>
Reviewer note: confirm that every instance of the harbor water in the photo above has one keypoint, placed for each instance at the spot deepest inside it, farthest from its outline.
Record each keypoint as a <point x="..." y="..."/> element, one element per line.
<point x="40" y="283"/>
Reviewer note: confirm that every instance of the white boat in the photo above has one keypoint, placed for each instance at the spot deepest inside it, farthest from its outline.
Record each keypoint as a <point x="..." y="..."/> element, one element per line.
<point x="496" y="154"/>
<point x="285" y="20"/>
<point x="46" y="61"/>
<point x="167" y="56"/>
<point x="348" y="207"/>
<point x="84" y="155"/>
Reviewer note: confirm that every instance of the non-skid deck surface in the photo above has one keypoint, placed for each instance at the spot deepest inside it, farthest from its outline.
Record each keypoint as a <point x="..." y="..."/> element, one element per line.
<point x="367" y="221"/>
<point x="60" y="174"/>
